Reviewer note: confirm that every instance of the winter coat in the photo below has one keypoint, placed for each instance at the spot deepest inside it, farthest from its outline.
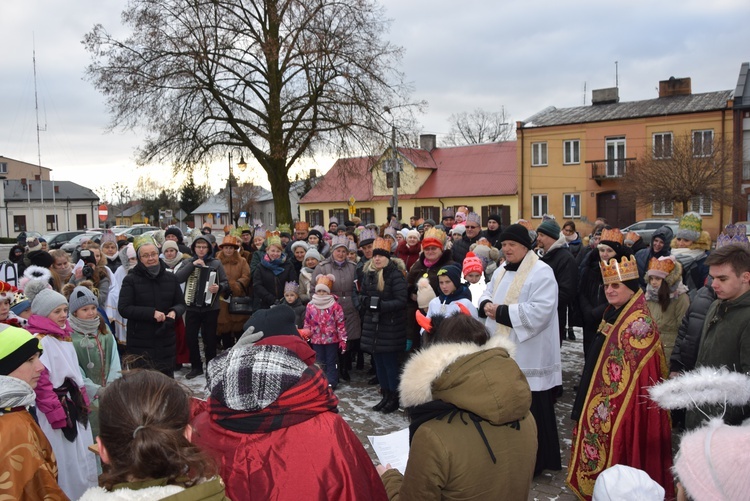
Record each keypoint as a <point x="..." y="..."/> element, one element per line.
<point x="26" y="458"/>
<point x="643" y="256"/>
<point x="669" y="321"/>
<point x="412" y="277"/>
<point x="214" y="265"/>
<point x="449" y="458"/>
<point x="140" y="296"/>
<point x="461" y="247"/>
<point x="299" y="311"/>
<point x="327" y="325"/>
<point x="688" y="341"/>
<point x="591" y="298"/>
<point x="238" y="277"/>
<point x="322" y="459"/>
<point x="147" y="490"/>
<point x="693" y="261"/>
<point x="493" y="237"/>
<point x="575" y="245"/>
<point x="305" y="280"/>
<point x="384" y="327"/>
<point x="342" y="288"/>
<point x="563" y="264"/>
<point x="267" y="287"/>
<point x="409" y="255"/>
<point x="725" y="342"/>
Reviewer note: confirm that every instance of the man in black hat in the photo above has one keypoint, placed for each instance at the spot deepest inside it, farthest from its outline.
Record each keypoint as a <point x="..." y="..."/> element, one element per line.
<point x="520" y="303"/>
<point x="175" y="234"/>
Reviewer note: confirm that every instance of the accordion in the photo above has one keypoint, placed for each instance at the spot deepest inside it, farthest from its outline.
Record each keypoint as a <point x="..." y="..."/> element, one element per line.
<point x="196" y="287"/>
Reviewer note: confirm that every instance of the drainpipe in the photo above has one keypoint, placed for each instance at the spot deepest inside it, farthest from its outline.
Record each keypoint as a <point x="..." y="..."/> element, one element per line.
<point x="519" y="128"/>
<point x="723" y="173"/>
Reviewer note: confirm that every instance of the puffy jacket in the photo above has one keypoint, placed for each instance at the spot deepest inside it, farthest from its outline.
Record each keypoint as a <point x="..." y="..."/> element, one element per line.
<point x="461" y="247"/>
<point x="267" y="287"/>
<point x="563" y="264"/>
<point x="140" y="296"/>
<point x="343" y="288"/>
<point x="409" y="255"/>
<point x="685" y="351"/>
<point x="384" y="327"/>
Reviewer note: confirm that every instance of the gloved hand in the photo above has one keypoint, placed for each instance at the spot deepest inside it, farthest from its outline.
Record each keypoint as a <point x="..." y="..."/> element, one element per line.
<point x="342" y="346"/>
<point x="409" y="344"/>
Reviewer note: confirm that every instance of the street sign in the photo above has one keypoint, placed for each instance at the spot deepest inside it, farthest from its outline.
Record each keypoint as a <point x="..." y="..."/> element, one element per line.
<point x="103" y="212"/>
<point x="243" y="214"/>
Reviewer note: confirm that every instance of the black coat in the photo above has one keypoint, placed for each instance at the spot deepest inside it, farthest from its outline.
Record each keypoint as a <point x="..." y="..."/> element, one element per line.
<point x="563" y="264"/>
<point x="383" y="327"/>
<point x="591" y="296"/>
<point x="267" y="287"/>
<point x="214" y="265"/>
<point x="140" y="296"/>
<point x="461" y="247"/>
<point x="685" y="351"/>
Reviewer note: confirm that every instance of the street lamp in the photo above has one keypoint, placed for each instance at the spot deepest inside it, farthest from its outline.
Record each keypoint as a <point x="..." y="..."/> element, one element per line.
<point x="242" y="165"/>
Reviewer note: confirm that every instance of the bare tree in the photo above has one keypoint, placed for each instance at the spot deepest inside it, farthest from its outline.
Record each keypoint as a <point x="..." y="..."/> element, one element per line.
<point x="681" y="171"/>
<point x="479" y="126"/>
<point x="244" y="198"/>
<point x="280" y="78"/>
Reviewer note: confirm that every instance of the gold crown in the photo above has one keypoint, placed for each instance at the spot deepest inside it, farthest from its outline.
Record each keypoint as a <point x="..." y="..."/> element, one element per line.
<point x="302" y="226"/>
<point x="664" y="266"/>
<point x="632" y="236"/>
<point x="326" y="280"/>
<point x="435" y="234"/>
<point x="612" y="235"/>
<point x="381" y="244"/>
<point x="614" y="272"/>
<point x="273" y="238"/>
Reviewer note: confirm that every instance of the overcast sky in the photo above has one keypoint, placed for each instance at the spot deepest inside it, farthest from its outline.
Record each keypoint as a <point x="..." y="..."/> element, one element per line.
<point x="523" y="55"/>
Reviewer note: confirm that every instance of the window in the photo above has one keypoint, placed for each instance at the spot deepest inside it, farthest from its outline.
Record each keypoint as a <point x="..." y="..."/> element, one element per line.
<point x="431" y="213"/>
<point x="19" y="223"/>
<point x="390" y="211"/>
<point x="389" y="180"/>
<point x="702" y="205"/>
<point x="366" y="215"/>
<point x="538" y="154"/>
<point x="501" y="210"/>
<point x="341" y="215"/>
<point x="571" y="205"/>
<point x="663" y="208"/>
<point x="3" y="167"/>
<point x="703" y="143"/>
<point x="81" y="221"/>
<point x="314" y="217"/>
<point x="615" y="148"/>
<point x="51" y="223"/>
<point x="663" y="145"/>
<point x="538" y="205"/>
<point x="572" y="151"/>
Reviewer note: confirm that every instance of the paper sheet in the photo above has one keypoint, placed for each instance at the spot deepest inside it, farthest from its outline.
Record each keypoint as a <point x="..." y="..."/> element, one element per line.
<point x="392" y="448"/>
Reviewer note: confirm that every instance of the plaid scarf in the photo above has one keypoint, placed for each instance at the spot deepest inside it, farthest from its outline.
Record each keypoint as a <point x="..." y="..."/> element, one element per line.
<point x="309" y="397"/>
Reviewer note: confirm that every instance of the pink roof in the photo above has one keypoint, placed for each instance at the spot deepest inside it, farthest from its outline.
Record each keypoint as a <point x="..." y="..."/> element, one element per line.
<point x="461" y="171"/>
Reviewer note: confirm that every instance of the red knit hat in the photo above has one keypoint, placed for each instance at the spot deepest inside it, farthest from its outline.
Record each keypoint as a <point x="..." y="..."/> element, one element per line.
<point x="472" y="264"/>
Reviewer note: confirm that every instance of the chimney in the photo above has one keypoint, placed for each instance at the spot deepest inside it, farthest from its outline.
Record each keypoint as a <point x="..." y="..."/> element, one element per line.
<point x="675" y="87"/>
<point x="605" y="96"/>
<point x="57" y="188"/>
<point x="37" y="177"/>
<point x="428" y="141"/>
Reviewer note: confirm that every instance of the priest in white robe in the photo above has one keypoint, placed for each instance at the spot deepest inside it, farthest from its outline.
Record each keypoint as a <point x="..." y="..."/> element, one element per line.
<point x="520" y="303"/>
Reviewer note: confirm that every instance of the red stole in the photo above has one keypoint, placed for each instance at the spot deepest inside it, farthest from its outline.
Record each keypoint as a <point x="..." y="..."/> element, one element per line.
<point x="619" y="424"/>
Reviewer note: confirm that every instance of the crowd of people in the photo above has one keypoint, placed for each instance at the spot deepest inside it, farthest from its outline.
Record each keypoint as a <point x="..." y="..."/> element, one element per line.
<point x="461" y="323"/>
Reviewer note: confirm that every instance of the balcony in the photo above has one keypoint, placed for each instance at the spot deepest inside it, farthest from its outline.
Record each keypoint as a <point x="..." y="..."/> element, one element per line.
<point x="612" y="168"/>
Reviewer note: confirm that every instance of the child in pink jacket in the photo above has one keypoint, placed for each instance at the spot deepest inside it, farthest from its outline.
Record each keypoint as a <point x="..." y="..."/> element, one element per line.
<point x="324" y="318"/>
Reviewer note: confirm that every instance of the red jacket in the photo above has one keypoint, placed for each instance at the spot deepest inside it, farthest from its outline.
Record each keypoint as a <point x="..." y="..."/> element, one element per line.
<point x="409" y="255"/>
<point x="320" y="458"/>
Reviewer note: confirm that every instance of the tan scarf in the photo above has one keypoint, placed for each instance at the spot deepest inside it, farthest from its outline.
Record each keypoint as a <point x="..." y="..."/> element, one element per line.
<point x="514" y="291"/>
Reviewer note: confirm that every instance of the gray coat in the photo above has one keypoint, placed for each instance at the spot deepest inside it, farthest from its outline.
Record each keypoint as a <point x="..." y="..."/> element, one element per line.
<point x="342" y="288"/>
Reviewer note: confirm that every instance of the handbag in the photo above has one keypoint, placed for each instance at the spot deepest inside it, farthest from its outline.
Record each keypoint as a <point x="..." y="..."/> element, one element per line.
<point x="240" y="305"/>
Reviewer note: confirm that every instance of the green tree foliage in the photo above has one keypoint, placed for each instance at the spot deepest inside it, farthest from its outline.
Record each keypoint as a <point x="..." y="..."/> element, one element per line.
<point x="191" y="196"/>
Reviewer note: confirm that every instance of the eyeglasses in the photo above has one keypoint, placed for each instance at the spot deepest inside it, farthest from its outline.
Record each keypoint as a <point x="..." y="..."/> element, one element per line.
<point x="471" y="227"/>
<point x="152" y="255"/>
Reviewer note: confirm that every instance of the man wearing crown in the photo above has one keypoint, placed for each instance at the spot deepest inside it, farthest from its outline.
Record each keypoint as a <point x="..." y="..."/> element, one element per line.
<point x="617" y="423"/>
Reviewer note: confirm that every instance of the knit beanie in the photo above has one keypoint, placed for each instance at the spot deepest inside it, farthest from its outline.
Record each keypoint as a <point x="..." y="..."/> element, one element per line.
<point x="496" y="218"/>
<point x="458" y="229"/>
<point x="324" y="283"/>
<point x="453" y="272"/>
<point x="170" y="244"/>
<point x="80" y="297"/>
<point x="249" y="378"/>
<point x="315" y="232"/>
<point x="45" y="301"/>
<point x="174" y="230"/>
<point x="517" y="233"/>
<point x="278" y="320"/>
<point x="625" y="483"/>
<point x="312" y="252"/>
<point x="472" y="264"/>
<point x="431" y="222"/>
<point x="549" y="228"/>
<point x="712" y="461"/>
<point x="16" y="347"/>
<point x="300" y="243"/>
<point x="41" y="258"/>
<point x="690" y="227"/>
<point x="412" y="233"/>
<point x="425" y="292"/>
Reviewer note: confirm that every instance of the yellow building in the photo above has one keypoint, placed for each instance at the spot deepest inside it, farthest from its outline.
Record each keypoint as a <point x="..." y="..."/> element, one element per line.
<point x="572" y="161"/>
<point x="481" y="177"/>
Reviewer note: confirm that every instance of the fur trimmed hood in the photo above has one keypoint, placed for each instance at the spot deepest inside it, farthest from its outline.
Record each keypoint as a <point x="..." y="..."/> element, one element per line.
<point x="484" y="380"/>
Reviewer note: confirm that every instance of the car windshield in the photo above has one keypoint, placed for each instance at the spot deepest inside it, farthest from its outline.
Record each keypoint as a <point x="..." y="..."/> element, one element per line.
<point x="48" y="237"/>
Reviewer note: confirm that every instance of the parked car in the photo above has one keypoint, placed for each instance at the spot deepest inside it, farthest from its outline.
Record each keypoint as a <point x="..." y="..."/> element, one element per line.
<point x="27" y="234"/>
<point x="137" y="230"/>
<point x="647" y="227"/>
<point x="56" y="239"/>
<point x="74" y="242"/>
